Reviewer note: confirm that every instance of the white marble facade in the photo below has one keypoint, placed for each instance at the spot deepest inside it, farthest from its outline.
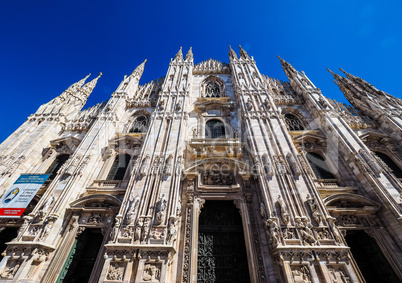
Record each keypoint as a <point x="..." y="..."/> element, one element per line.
<point x="303" y="171"/>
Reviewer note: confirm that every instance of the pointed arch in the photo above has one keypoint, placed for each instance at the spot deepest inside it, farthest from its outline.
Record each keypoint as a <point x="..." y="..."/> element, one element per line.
<point x="351" y="200"/>
<point x="108" y="200"/>
<point x="213" y="87"/>
<point x="139" y="122"/>
<point x="294" y="119"/>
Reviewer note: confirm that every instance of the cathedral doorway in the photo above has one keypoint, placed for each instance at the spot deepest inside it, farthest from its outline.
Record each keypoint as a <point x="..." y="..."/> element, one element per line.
<point x="369" y="257"/>
<point x="82" y="257"/>
<point x="221" y="247"/>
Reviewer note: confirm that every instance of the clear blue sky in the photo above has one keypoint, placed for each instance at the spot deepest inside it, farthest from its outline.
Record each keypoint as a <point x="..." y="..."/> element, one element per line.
<point x="47" y="45"/>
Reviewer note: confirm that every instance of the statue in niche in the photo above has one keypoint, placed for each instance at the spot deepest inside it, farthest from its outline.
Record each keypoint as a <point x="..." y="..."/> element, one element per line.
<point x="284" y="210"/>
<point x="272" y="231"/>
<point x="138" y="229"/>
<point x="314" y="209"/>
<point x="172" y="229"/>
<point x="145" y="230"/>
<point x="262" y="211"/>
<point x="161" y="207"/>
<point x="132" y="213"/>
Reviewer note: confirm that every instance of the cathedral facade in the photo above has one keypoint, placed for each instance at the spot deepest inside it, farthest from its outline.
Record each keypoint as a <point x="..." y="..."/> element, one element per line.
<point x="213" y="173"/>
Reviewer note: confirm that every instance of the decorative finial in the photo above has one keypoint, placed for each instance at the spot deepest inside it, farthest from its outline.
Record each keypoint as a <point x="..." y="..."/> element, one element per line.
<point x="179" y="55"/>
<point x="189" y="55"/>
<point x="243" y="53"/>
<point x="232" y="54"/>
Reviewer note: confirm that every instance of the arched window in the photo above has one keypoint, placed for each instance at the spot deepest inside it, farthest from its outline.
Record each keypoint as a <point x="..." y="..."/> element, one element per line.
<point x="319" y="166"/>
<point x="140" y="124"/>
<point x="293" y="123"/>
<point x="56" y="165"/>
<point x="212" y="90"/>
<point x="119" y="167"/>
<point x="214" y="129"/>
<point x="390" y="163"/>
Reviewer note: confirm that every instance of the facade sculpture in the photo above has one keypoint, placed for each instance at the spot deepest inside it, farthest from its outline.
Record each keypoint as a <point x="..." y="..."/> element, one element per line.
<point x="213" y="173"/>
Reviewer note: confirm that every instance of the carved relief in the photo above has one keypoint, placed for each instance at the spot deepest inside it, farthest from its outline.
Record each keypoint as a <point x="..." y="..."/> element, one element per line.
<point x="152" y="272"/>
<point x="338" y="274"/>
<point x="306" y="234"/>
<point x="115" y="272"/>
<point x="301" y="274"/>
<point x="217" y="178"/>
<point x="10" y="269"/>
<point x="271" y="227"/>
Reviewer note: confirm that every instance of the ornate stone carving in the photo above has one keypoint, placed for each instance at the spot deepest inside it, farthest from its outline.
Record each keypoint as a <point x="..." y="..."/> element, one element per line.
<point x="172" y="229"/>
<point x="305" y="232"/>
<point x="293" y="164"/>
<point x="115" y="271"/>
<point x="271" y="227"/>
<point x="335" y="230"/>
<point x="95" y="218"/>
<point x="161" y="207"/>
<point x="138" y="229"/>
<point x="217" y="178"/>
<point x="211" y="67"/>
<point x="284" y="210"/>
<point x="10" y="269"/>
<point x="314" y="209"/>
<point x="338" y="274"/>
<point x="169" y="166"/>
<point x="45" y="207"/>
<point x="152" y="272"/>
<point x="145" y="230"/>
<point x="301" y="274"/>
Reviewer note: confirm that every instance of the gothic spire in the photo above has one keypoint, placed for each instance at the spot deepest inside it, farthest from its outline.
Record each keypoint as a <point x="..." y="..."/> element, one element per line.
<point x="89" y="87"/>
<point x="81" y="82"/>
<point x="243" y="53"/>
<point x="189" y="56"/>
<point x="75" y="86"/>
<point x="289" y="69"/>
<point x="139" y="70"/>
<point x="232" y="54"/>
<point x="179" y="55"/>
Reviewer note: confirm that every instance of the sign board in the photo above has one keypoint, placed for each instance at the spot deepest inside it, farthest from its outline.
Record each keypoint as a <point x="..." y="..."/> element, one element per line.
<point x="17" y="198"/>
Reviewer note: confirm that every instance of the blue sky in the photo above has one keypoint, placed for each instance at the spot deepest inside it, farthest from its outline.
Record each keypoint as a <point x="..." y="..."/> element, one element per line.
<point x="47" y="45"/>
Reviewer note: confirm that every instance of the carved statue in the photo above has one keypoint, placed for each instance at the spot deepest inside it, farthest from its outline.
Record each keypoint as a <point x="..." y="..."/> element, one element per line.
<point x="132" y="213"/>
<point x="262" y="211"/>
<point x="138" y="229"/>
<point x="45" y="207"/>
<point x="284" y="210"/>
<point x="145" y="229"/>
<point x="306" y="233"/>
<point x="162" y="204"/>
<point x="314" y="209"/>
<point x="335" y="230"/>
<point x="172" y="229"/>
<point x="273" y="231"/>
<point x="11" y="269"/>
